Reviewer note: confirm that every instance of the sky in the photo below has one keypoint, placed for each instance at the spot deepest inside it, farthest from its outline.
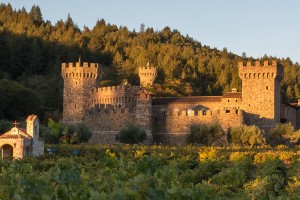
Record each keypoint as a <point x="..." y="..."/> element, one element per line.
<point x="256" y="27"/>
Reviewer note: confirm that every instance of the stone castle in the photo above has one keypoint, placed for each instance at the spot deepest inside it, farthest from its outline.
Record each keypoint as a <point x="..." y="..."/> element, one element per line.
<point x="107" y="110"/>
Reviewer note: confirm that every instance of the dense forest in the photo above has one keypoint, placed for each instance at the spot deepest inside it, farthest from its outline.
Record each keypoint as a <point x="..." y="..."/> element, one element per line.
<point x="32" y="50"/>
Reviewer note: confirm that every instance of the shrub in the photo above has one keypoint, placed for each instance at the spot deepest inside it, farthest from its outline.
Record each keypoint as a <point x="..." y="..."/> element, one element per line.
<point x="264" y="188"/>
<point x="205" y="134"/>
<point x="59" y="132"/>
<point x="131" y="135"/>
<point x="82" y="132"/>
<point x="281" y="134"/>
<point x="247" y="135"/>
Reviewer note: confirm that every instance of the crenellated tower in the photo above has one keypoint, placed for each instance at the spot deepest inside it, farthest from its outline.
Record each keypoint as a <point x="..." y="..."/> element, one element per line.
<point x="147" y="75"/>
<point x="261" y="93"/>
<point x="79" y="80"/>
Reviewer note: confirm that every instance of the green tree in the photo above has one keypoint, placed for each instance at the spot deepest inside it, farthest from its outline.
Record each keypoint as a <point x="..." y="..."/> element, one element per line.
<point x="205" y="134"/>
<point x="247" y="136"/>
<point x="131" y="135"/>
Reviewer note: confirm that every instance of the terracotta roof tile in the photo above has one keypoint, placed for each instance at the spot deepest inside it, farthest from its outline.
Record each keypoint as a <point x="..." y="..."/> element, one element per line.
<point x="193" y="99"/>
<point x="233" y="95"/>
<point x="15" y="133"/>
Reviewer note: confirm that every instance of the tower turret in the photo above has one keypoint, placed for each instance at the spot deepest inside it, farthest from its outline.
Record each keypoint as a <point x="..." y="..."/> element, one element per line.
<point x="79" y="79"/>
<point x="261" y="92"/>
<point x="147" y="75"/>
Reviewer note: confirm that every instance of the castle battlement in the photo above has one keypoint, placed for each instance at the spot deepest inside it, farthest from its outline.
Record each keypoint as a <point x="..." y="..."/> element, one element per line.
<point x="259" y="70"/>
<point x="147" y="68"/>
<point x="259" y="64"/>
<point x="80" y="70"/>
<point x="203" y="113"/>
<point x="118" y="88"/>
<point x="109" y="111"/>
<point x="80" y="64"/>
<point x="147" y="75"/>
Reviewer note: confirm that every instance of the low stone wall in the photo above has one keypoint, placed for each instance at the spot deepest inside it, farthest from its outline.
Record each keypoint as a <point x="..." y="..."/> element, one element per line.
<point x="103" y="137"/>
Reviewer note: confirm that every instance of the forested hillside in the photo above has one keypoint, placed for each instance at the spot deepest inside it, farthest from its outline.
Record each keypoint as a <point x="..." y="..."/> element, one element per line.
<point x="32" y="50"/>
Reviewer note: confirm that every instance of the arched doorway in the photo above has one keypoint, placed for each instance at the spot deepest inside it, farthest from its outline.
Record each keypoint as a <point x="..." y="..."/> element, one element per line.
<point x="7" y="151"/>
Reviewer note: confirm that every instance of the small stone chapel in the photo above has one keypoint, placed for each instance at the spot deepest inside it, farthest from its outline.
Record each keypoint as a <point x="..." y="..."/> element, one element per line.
<point x="19" y="143"/>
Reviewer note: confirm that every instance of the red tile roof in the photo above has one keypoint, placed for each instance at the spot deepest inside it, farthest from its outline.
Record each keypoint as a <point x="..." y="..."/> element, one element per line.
<point x="15" y="133"/>
<point x="233" y="95"/>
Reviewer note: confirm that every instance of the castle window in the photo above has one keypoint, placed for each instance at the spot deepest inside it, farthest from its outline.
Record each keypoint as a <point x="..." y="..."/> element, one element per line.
<point x="236" y="100"/>
<point x="75" y="105"/>
<point x="267" y="87"/>
<point x="228" y="100"/>
<point x="249" y="75"/>
<point x="236" y="111"/>
<point x="66" y="75"/>
<point x="245" y="76"/>
<point x="83" y="75"/>
<point x="254" y="75"/>
<point x="272" y="75"/>
<point x="203" y="112"/>
<point x="146" y="96"/>
<point x="263" y="75"/>
<point x="76" y="82"/>
<point x="267" y="75"/>
<point x="258" y="76"/>
<point x="227" y="111"/>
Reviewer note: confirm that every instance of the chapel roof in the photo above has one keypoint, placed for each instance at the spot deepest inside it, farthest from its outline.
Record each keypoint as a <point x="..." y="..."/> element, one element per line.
<point x="15" y="133"/>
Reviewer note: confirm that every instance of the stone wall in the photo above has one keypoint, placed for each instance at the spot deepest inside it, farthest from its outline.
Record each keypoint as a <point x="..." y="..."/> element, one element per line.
<point x="179" y="122"/>
<point x="18" y="145"/>
<point x="115" y="96"/>
<point x="288" y="113"/>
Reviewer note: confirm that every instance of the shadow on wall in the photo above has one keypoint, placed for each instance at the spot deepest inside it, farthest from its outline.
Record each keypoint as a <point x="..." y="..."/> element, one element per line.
<point x="261" y="122"/>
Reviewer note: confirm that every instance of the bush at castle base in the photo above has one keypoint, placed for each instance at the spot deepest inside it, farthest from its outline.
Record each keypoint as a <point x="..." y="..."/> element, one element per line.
<point x="284" y="134"/>
<point x="247" y="136"/>
<point x="57" y="132"/>
<point x="205" y="134"/>
<point x="132" y="135"/>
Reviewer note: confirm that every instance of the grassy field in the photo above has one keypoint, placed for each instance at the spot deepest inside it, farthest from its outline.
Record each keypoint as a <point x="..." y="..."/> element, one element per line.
<point x="154" y="172"/>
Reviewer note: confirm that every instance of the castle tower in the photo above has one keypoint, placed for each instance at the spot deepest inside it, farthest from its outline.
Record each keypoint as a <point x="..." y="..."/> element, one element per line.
<point x="147" y="75"/>
<point x="79" y="79"/>
<point x="143" y="112"/>
<point x="261" y="93"/>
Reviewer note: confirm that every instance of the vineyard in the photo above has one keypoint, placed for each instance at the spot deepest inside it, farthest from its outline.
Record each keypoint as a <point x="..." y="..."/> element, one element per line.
<point x="154" y="172"/>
